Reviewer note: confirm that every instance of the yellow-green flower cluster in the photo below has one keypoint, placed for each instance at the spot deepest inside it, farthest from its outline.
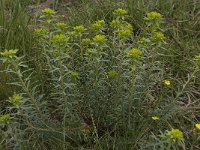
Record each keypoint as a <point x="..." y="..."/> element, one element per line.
<point x="5" y="119"/>
<point x="79" y="29"/>
<point x="124" y="33"/>
<point x="127" y="26"/>
<point x="75" y="75"/>
<point x="100" y="38"/>
<point x="61" y="25"/>
<point x="112" y="74"/>
<point x="175" y="135"/>
<point x="9" y="53"/>
<point x="86" y="41"/>
<point x="59" y="38"/>
<point x="40" y="31"/>
<point x="89" y="52"/>
<point x="158" y="36"/>
<point x="124" y="29"/>
<point x="121" y="12"/>
<point x="154" y="16"/>
<point x="48" y="12"/>
<point x="135" y="53"/>
<point x="15" y="99"/>
<point x="98" y="25"/>
<point x="115" y="23"/>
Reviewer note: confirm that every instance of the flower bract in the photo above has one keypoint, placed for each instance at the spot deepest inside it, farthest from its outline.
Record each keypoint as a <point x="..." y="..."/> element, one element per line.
<point x="9" y="53"/>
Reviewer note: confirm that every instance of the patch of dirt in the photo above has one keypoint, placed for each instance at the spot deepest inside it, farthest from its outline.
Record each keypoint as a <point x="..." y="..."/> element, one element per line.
<point x="61" y="6"/>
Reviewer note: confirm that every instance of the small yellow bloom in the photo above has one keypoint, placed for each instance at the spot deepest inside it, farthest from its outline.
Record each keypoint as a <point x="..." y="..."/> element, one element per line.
<point x="155" y="118"/>
<point x="167" y="82"/>
<point x="197" y="126"/>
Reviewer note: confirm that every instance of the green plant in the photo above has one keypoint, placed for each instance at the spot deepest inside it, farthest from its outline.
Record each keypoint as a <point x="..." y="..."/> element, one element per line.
<point x="173" y="139"/>
<point x="78" y="78"/>
<point x="103" y="86"/>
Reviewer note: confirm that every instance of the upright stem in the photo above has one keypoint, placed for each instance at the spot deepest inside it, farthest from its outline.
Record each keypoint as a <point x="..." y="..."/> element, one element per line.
<point x="64" y="96"/>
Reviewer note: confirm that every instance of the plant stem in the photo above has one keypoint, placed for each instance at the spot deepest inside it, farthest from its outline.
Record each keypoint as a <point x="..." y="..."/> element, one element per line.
<point x="17" y="71"/>
<point x="64" y="96"/>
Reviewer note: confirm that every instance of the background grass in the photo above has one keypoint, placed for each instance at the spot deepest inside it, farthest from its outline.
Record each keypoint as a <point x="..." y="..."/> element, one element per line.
<point x="14" y="34"/>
